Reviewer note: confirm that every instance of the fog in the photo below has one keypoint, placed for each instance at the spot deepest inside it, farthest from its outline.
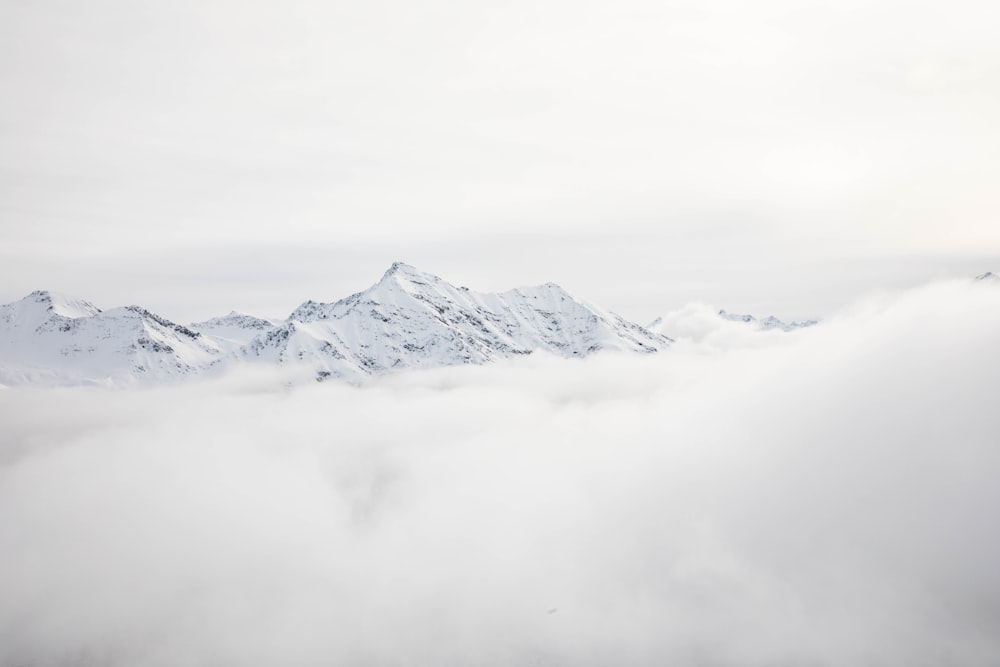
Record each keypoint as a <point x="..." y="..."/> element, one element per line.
<point x="824" y="497"/>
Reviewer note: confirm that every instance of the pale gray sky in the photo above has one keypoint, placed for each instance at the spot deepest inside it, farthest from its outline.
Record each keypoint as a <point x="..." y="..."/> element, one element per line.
<point x="777" y="156"/>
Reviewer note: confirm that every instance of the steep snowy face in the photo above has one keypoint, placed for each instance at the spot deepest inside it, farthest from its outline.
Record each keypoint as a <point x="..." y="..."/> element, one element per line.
<point x="47" y="339"/>
<point x="410" y="318"/>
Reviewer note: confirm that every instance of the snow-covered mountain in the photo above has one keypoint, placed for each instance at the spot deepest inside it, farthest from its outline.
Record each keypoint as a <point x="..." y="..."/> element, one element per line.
<point x="410" y="318"/>
<point x="50" y="338"/>
<point x="407" y="319"/>
<point x="768" y="323"/>
<point x="989" y="277"/>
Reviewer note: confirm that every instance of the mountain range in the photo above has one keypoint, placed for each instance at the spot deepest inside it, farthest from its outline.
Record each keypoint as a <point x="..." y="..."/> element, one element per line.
<point x="767" y="323"/>
<point x="407" y="319"/>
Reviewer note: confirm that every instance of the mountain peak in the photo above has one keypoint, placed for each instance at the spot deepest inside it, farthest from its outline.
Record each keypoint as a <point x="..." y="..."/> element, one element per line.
<point x="62" y="304"/>
<point x="989" y="275"/>
<point x="401" y="270"/>
<point x="398" y="266"/>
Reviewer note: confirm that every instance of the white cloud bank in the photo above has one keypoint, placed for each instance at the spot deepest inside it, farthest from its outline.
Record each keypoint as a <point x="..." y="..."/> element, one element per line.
<point x="829" y="499"/>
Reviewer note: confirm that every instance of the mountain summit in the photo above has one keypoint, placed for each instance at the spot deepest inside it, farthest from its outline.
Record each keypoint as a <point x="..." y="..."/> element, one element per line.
<point x="407" y="319"/>
<point x="410" y="318"/>
<point x="48" y="338"/>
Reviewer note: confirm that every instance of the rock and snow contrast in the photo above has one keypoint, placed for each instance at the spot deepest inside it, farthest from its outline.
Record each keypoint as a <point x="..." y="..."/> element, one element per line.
<point x="408" y="319"/>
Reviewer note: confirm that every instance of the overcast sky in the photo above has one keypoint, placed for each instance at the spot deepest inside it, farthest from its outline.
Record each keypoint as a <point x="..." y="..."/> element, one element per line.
<point x="777" y="156"/>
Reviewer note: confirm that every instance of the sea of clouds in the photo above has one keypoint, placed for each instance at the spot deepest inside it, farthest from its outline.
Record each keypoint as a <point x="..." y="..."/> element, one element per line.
<point x="825" y="497"/>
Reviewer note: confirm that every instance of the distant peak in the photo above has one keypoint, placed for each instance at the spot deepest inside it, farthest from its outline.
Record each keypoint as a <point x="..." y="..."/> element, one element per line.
<point x="232" y="317"/>
<point x="736" y="317"/>
<point x="989" y="275"/>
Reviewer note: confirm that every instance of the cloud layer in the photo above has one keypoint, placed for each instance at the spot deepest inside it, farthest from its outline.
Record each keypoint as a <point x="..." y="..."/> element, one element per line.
<point x="828" y="497"/>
